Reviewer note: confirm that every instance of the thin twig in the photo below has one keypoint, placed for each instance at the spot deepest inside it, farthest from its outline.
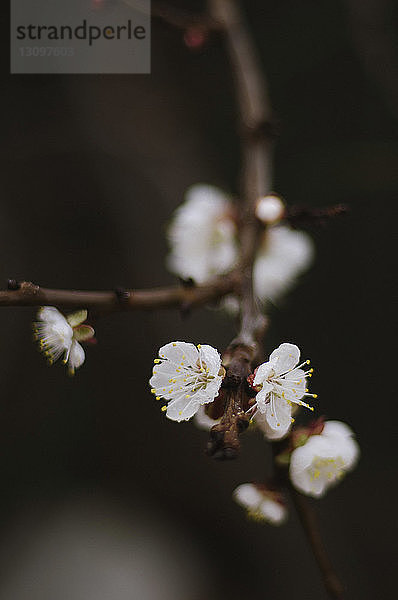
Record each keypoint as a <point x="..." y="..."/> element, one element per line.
<point x="299" y="215"/>
<point x="310" y="525"/>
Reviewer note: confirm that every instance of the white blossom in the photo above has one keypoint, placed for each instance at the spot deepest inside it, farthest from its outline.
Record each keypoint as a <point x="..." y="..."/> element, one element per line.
<point x="202" y="235"/>
<point x="187" y="376"/>
<point x="280" y="384"/>
<point x="203" y="242"/>
<point x="284" y="255"/>
<point x="270" y="209"/>
<point x="324" y="459"/>
<point x="261" y="504"/>
<point x="59" y="336"/>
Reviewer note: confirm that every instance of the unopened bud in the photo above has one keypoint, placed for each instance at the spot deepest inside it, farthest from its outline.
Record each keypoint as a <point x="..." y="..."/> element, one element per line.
<point x="195" y="37"/>
<point x="270" y="209"/>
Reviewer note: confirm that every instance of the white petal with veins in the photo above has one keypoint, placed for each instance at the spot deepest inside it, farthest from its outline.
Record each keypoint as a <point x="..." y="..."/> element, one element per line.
<point x="187" y="376"/>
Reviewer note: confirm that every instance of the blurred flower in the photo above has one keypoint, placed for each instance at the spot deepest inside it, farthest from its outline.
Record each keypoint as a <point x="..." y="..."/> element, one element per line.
<point x="60" y="336"/>
<point x="202" y="235"/>
<point x="203" y="241"/>
<point x="187" y="376"/>
<point x="284" y="254"/>
<point x="203" y="421"/>
<point x="324" y="459"/>
<point x="280" y="384"/>
<point x="270" y="209"/>
<point x="261" y="503"/>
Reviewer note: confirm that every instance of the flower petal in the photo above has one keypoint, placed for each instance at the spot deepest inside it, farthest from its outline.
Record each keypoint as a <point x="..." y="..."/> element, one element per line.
<point x="337" y="428"/>
<point x="203" y="421"/>
<point x="261" y="422"/>
<point x="283" y="256"/>
<point x="262" y="397"/>
<point x="76" y="356"/>
<point x="177" y="352"/>
<point x="181" y="409"/>
<point x="50" y="314"/>
<point x="247" y="495"/>
<point x="211" y="357"/>
<point x="272" y="511"/>
<point x="293" y="385"/>
<point x="285" y="358"/>
<point x="262" y="373"/>
<point x="278" y="414"/>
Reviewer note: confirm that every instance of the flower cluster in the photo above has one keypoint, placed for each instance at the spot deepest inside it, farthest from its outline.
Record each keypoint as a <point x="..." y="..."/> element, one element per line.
<point x="189" y="379"/>
<point x="203" y="241"/>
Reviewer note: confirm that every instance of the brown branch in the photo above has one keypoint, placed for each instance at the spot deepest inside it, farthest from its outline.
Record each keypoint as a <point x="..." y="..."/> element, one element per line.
<point x="310" y="525"/>
<point x="299" y="215"/>
<point x="183" y="297"/>
<point x="254" y="114"/>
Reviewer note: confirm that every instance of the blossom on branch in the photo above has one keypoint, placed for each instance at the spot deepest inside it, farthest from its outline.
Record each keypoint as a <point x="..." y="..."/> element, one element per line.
<point x="202" y="235"/>
<point x="187" y="376"/>
<point x="280" y="384"/>
<point x="60" y="336"/>
<point x="283" y="256"/>
<point x="261" y="503"/>
<point x="324" y="459"/>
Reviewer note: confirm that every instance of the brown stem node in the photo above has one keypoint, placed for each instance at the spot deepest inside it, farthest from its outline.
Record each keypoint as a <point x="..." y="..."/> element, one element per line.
<point x="13" y="285"/>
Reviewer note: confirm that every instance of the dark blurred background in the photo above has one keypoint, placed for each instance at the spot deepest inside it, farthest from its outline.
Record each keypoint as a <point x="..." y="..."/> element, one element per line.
<point x="101" y="496"/>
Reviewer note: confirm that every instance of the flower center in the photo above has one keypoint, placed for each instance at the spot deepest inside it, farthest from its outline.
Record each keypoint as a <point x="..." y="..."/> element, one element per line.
<point x="270" y="378"/>
<point x="326" y="468"/>
<point x="203" y="375"/>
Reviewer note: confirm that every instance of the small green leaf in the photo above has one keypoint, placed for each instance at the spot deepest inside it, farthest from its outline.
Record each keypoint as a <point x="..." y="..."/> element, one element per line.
<point x="81" y="333"/>
<point x="76" y="318"/>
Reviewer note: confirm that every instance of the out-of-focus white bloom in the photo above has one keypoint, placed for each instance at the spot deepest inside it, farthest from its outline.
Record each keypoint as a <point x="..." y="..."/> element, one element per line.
<point x="270" y="209"/>
<point x="324" y="459"/>
<point x="261" y="504"/>
<point x="203" y="241"/>
<point x="187" y="376"/>
<point x="59" y="336"/>
<point x="285" y="254"/>
<point x="203" y="421"/>
<point x="280" y="383"/>
<point x="202" y="235"/>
